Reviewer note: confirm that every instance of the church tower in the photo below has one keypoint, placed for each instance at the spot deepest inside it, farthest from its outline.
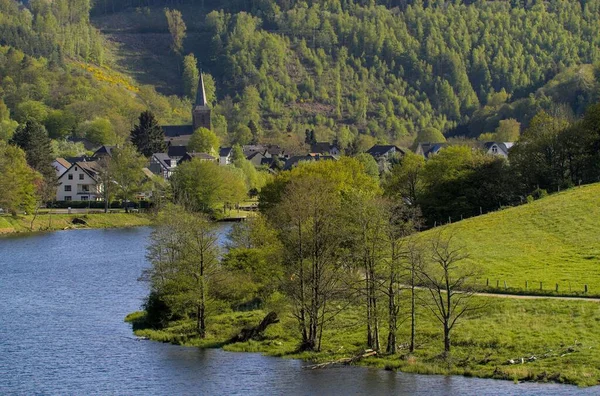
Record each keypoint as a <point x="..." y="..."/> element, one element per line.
<point x="201" y="111"/>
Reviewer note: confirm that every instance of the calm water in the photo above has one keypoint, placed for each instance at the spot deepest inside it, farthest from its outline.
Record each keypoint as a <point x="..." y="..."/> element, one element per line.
<point x="63" y="297"/>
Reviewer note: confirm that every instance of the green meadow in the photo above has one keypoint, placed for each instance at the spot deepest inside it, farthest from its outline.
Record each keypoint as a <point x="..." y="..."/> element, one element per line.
<point x="554" y="240"/>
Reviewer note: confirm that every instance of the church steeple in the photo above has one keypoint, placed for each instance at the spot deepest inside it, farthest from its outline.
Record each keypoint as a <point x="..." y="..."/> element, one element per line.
<point x="201" y="111"/>
<point x="201" y="93"/>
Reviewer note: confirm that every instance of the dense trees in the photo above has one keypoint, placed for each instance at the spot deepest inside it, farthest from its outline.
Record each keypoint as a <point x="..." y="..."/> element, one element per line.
<point x="147" y="136"/>
<point x="204" y="141"/>
<point x="33" y="139"/>
<point x="126" y="173"/>
<point x="18" y="180"/>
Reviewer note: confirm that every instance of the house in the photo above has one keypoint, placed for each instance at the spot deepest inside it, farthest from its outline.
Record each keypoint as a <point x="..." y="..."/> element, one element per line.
<point x="163" y="165"/>
<point x="294" y="161"/>
<point x="200" y="156"/>
<point x="225" y="155"/>
<point x="80" y="183"/>
<point x="324" y="148"/>
<point x="179" y="135"/>
<point x="250" y="149"/>
<point x="385" y="152"/>
<point x="257" y="158"/>
<point x="429" y="149"/>
<point x="61" y="165"/>
<point x="176" y="152"/>
<point x="103" y="151"/>
<point x="499" y="149"/>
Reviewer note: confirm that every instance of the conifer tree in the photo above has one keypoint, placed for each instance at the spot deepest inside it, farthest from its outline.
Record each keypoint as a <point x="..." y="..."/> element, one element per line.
<point x="33" y="138"/>
<point x="147" y="135"/>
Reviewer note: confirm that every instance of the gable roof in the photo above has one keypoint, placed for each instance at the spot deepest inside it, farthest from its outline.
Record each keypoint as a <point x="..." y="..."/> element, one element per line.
<point x="427" y="149"/>
<point x="103" y="150"/>
<point x="504" y="146"/>
<point x="322" y="147"/>
<point x="91" y="168"/>
<point x="63" y="162"/>
<point x="176" y="151"/>
<point x="202" y="156"/>
<point x="225" y="151"/>
<point x="163" y="159"/>
<point x="381" y="149"/>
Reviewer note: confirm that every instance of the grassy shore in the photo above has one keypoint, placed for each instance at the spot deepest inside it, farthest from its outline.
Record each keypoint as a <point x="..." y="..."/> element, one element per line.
<point x="54" y="222"/>
<point x="555" y="240"/>
<point x="563" y="335"/>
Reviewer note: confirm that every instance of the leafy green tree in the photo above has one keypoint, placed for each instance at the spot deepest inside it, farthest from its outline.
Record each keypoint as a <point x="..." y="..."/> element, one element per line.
<point x="430" y="135"/>
<point x="31" y="110"/>
<point x="508" y="130"/>
<point x="147" y="136"/>
<point x="126" y="172"/>
<point x="177" y="29"/>
<point x="191" y="76"/>
<point x="100" y="131"/>
<point x="60" y="124"/>
<point x="369" y="164"/>
<point x="17" y="180"/>
<point x="406" y="179"/>
<point x="204" y="141"/>
<point x="33" y="139"/>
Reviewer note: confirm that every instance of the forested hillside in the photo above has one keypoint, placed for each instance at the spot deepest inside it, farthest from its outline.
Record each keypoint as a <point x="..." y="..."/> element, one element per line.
<point x="54" y="70"/>
<point x="385" y="69"/>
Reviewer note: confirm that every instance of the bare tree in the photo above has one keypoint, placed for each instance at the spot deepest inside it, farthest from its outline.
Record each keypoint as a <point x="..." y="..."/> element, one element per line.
<point x="447" y="279"/>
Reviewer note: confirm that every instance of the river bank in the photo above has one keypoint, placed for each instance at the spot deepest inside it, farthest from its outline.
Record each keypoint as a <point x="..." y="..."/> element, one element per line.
<point x="557" y="340"/>
<point x="55" y="222"/>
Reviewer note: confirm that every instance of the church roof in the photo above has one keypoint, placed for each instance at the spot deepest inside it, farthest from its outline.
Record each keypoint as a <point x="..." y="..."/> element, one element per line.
<point x="201" y="93"/>
<point x="177" y="130"/>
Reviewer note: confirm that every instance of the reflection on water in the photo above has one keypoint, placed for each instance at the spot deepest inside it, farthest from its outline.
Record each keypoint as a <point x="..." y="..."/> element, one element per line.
<point x="63" y="297"/>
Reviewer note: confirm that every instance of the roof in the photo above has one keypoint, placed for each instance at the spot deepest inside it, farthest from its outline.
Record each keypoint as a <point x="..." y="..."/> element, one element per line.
<point x="163" y="159"/>
<point x="176" y="151"/>
<point x="201" y="93"/>
<point x="148" y="173"/>
<point x="104" y="150"/>
<point x="504" y="146"/>
<point x="92" y="168"/>
<point x="177" y="130"/>
<point x="63" y="162"/>
<point x="321" y="147"/>
<point x="382" y="149"/>
<point x="86" y="143"/>
<point x="428" y="149"/>
<point x="202" y="156"/>
<point x="254" y="154"/>
<point x="224" y="151"/>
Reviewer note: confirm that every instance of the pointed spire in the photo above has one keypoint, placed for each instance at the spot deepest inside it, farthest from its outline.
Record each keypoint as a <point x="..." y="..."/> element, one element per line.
<point x="201" y="94"/>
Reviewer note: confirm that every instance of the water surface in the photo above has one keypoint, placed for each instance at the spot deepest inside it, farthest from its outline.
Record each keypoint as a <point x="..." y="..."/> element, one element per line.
<point x="63" y="297"/>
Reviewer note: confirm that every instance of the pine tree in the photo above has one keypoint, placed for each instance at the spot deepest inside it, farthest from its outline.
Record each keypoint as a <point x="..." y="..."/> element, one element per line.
<point x="33" y="138"/>
<point x="147" y="135"/>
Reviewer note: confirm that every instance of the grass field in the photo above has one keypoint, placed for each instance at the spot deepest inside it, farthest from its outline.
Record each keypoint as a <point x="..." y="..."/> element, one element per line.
<point x="46" y="222"/>
<point x="482" y="344"/>
<point x="553" y="240"/>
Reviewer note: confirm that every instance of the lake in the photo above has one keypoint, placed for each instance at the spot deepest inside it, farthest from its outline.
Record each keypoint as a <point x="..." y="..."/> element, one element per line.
<point x="63" y="297"/>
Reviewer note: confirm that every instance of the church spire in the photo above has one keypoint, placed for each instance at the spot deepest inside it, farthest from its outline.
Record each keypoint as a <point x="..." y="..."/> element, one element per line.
<point x="201" y="94"/>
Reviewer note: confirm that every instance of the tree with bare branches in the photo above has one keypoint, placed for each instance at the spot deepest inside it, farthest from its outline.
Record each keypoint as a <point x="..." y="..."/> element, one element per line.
<point x="447" y="280"/>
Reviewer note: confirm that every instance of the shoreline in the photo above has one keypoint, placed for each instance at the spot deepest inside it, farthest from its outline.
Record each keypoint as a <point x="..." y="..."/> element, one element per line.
<point x="21" y="224"/>
<point x="280" y="341"/>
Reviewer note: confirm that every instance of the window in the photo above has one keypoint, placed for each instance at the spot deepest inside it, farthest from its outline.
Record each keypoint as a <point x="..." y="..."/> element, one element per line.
<point x="84" y="198"/>
<point x="494" y="150"/>
<point x="81" y="176"/>
<point x="67" y="188"/>
<point x="70" y="177"/>
<point x="85" y="188"/>
<point x="67" y="197"/>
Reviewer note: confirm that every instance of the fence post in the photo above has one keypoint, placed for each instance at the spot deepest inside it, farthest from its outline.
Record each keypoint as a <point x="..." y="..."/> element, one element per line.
<point x="586" y="289"/>
<point x="497" y="284"/>
<point x="540" y="285"/>
<point x="557" y="287"/>
<point x="526" y="285"/>
<point x="505" y="285"/>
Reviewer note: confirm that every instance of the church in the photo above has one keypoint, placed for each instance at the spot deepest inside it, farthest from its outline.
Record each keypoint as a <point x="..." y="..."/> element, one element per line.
<point x="179" y="135"/>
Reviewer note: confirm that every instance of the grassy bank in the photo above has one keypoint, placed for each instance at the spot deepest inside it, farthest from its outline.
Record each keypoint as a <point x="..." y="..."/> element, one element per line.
<point x="563" y="335"/>
<point x="54" y="222"/>
<point x="555" y="240"/>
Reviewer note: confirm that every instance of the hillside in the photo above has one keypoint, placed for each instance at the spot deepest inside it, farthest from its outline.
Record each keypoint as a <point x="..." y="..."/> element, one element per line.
<point x="552" y="240"/>
<point x="382" y="69"/>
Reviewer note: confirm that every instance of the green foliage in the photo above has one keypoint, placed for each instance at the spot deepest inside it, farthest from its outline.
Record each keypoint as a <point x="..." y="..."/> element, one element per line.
<point x="99" y="131"/>
<point x="204" y="141"/>
<point x="17" y="180"/>
<point x="191" y="76"/>
<point x="147" y="136"/>
<point x="33" y="139"/>
<point x="430" y="135"/>
<point x="206" y="186"/>
<point x="369" y="164"/>
<point x="125" y="170"/>
<point x="177" y="29"/>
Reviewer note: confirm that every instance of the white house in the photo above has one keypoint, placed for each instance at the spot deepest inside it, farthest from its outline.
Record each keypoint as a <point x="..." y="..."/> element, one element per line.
<point x="80" y="183"/>
<point x="225" y="155"/>
<point x="498" y="148"/>
<point x="325" y="148"/>
<point x="61" y="165"/>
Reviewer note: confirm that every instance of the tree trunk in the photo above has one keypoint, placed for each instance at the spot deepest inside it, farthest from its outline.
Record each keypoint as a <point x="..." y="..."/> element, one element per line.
<point x="412" y="312"/>
<point x="446" y="338"/>
<point x="392" y="326"/>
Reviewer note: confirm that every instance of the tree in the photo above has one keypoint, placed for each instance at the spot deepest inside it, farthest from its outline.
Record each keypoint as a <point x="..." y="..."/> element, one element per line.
<point x="369" y="163"/>
<point x="406" y="179"/>
<point x="191" y="76"/>
<point x="33" y="139"/>
<point x="147" y="136"/>
<point x="430" y="135"/>
<point x="126" y="172"/>
<point x="100" y="131"/>
<point x="184" y="256"/>
<point x="508" y="130"/>
<point x="204" y="141"/>
<point x="17" y="180"/>
<point x="177" y="29"/>
<point x="447" y="280"/>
